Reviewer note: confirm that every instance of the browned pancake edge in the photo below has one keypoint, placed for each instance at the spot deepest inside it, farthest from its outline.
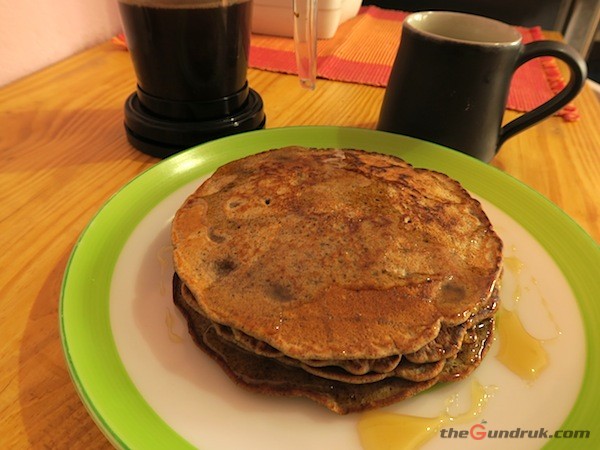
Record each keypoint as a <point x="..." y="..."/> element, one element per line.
<point x="267" y="376"/>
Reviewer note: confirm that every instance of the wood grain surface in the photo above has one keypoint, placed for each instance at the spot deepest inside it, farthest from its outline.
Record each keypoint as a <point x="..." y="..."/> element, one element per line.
<point x="63" y="153"/>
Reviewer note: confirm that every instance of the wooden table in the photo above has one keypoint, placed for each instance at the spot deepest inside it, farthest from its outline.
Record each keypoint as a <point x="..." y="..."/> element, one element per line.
<point x="63" y="153"/>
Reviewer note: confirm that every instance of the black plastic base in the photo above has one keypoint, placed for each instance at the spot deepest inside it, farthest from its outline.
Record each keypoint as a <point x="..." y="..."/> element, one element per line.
<point x="161" y="137"/>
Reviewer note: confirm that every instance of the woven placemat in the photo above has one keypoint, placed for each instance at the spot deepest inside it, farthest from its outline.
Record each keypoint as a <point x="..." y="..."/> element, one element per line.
<point x="363" y="51"/>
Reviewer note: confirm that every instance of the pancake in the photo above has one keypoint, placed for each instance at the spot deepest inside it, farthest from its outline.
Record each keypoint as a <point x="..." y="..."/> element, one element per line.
<point x="267" y="376"/>
<point x="295" y="239"/>
<point x="446" y="345"/>
<point x="428" y="362"/>
<point x="336" y="268"/>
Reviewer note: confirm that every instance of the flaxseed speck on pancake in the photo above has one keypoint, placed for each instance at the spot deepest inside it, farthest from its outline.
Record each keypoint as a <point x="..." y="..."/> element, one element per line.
<point x="342" y="265"/>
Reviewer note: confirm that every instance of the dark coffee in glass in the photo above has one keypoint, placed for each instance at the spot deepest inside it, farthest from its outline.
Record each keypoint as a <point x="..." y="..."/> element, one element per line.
<point x="189" y="55"/>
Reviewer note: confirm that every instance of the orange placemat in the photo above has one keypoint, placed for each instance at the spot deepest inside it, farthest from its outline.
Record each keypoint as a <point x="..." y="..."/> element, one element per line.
<point x="363" y="51"/>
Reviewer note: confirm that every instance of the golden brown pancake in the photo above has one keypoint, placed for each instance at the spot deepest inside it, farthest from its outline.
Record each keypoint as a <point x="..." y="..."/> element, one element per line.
<point x="267" y="376"/>
<point x="370" y="254"/>
<point x="428" y="362"/>
<point x="342" y="266"/>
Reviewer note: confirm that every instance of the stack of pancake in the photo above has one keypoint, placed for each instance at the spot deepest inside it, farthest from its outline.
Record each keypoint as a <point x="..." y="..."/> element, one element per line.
<point x="347" y="277"/>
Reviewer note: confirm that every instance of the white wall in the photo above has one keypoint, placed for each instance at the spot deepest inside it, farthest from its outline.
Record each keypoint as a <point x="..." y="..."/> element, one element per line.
<point x="37" y="33"/>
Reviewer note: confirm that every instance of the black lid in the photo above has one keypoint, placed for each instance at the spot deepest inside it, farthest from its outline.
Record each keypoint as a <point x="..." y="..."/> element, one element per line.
<point x="161" y="137"/>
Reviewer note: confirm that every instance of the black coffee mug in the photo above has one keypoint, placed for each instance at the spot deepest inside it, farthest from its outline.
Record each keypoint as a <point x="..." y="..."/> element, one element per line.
<point x="450" y="81"/>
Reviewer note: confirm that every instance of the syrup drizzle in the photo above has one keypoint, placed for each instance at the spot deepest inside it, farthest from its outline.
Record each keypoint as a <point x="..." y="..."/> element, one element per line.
<point x="383" y="430"/>
<point x="164" y="255"/>
<point x="169" y="322"/>
<point x="520" y="351"/>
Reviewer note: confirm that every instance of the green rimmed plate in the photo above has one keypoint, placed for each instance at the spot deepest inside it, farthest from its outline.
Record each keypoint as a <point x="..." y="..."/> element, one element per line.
<point x="147" y="386"/>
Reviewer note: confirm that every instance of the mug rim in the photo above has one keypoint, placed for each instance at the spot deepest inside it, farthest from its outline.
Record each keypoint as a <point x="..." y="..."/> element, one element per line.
<point x="500" y="33"/>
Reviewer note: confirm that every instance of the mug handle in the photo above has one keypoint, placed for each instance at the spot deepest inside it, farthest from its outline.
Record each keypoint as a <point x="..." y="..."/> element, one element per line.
<point x="578" y="69"/>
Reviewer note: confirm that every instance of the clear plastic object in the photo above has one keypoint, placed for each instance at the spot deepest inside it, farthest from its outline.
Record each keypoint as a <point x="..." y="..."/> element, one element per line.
<point x="305" y="40"/>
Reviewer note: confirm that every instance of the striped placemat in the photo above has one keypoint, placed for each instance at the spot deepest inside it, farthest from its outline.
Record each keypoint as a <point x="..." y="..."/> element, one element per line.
<point x="363" y="51"/>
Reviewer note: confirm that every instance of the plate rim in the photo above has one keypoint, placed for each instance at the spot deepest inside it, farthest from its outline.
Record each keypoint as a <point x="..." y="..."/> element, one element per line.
<point x="184" y="167"/>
